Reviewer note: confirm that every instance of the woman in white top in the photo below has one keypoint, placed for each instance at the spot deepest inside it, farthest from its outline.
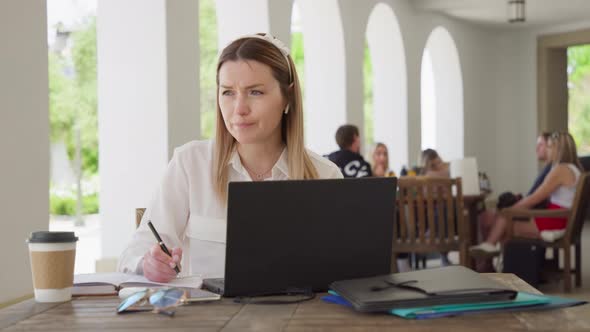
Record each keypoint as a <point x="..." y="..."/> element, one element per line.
<point x="559" y="186"/>
<point x="259" y="136"/>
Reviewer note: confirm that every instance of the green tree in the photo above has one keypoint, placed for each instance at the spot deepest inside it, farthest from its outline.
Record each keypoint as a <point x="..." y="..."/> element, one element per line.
<point x="298" y="56"/>
<point x="368" y="94"/>
<point x="84" y="58"/>
<point x="208" y="66"/>
<point x="73" y="100"/>
<point x="579" y="96"/>
<point x="73" y="113"/>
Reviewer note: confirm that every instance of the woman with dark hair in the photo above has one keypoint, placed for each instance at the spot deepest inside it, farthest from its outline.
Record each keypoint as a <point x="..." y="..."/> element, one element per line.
<point x="433" y="165"/>
<point x="259" y="137"/>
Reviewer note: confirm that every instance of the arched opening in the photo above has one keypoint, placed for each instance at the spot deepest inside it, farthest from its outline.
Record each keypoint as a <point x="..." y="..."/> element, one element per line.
<point x="386" y="86"/>
<point x="442" y="96"/>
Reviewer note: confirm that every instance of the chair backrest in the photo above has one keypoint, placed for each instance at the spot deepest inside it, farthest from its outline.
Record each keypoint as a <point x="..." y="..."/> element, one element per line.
<point x="138" y="215"/>
<point x="579" y="208"/>
<point x="428" y="209"/>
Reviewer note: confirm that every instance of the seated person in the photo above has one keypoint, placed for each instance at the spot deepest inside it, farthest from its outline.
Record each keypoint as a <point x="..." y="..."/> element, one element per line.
<point x="559" y="187"/>
<point x="348" y="158"/>
<point x="380" y="157"/>
<point x="508" y="199"/>
<point x="433" y="165"/>
<point x="259" y="137"/>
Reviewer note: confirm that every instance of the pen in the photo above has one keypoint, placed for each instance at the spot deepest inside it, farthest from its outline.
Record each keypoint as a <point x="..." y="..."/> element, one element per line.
<point x="161" y="243"/>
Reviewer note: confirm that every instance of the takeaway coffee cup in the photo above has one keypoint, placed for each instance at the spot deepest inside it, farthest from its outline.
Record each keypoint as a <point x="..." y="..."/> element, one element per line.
<point x="52" y="264"/>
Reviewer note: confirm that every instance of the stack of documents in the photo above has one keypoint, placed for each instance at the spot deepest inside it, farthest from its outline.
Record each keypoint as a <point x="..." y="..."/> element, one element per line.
<point x="433" y="293"/>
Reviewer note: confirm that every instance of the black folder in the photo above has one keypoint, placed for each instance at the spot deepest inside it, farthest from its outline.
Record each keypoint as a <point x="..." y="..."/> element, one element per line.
<point x="446" y="285"/>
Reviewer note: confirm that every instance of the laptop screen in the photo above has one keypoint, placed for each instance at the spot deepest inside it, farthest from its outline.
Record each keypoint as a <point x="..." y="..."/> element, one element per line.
<point x="306" y="234"/>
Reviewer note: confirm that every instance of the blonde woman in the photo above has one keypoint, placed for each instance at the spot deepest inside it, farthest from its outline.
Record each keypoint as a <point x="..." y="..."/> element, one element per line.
<point x="559" y="187"/>
<point x="259" y="137"/>
<point x="380" y="161"/>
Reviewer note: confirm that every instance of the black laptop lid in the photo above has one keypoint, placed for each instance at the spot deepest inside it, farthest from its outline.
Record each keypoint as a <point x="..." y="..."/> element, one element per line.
<point x="306" y="234"/>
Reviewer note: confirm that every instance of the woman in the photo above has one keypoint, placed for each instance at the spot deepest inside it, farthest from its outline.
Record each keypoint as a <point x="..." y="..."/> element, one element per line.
<point x="433" y="165"/>
<point x="259" y="136"/>
<point x="380" y="158"/>
<point x="559" y="187"/>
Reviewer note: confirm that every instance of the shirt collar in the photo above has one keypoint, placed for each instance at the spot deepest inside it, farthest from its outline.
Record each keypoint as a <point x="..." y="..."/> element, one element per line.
<point x="279" y="171"/>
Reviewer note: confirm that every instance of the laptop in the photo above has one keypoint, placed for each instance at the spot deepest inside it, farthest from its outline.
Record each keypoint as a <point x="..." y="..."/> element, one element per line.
<point x="305" y="234"/>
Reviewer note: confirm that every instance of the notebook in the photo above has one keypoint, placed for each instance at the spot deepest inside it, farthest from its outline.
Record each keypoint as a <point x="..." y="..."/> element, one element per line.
<point x="447" y="285"/>
<point x="522" y="302"/>
<point x="112" y="283"/>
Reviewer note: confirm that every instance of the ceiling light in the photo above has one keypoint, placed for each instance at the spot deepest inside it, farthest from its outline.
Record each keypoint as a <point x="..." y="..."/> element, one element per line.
<point x="516" y="11"/>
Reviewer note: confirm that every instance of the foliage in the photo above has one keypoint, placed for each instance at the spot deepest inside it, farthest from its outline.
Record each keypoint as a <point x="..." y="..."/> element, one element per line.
<point x="368" y="98"/>
<point x="208" y="66"/>
<point x="73" y="97"/>
<point x="59" y="205"/>
<point x="579" y="96"/>
<point x="578" y="58"/>
<point x="298" y="56"/>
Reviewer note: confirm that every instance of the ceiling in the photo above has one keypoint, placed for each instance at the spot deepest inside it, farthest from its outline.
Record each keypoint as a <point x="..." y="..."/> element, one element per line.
<point x="495" y="12"/>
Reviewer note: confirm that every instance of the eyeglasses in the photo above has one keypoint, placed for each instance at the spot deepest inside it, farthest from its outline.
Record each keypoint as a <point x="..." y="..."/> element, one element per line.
<point x="163" y="301"/>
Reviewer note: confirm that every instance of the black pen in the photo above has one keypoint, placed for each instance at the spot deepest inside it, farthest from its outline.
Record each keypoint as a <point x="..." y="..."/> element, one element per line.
<point x="161" y="243"/>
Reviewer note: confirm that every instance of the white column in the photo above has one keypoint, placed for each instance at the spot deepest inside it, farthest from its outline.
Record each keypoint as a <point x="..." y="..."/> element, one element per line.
<point x="148" y="103"/>
<point x="24" y="139"/>
<point x="325" y="73"/>
<point x="237" y="18"/>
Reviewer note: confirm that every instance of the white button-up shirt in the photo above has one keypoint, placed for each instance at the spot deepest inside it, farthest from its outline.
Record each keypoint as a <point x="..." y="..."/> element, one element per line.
<point x="187" y="213"/>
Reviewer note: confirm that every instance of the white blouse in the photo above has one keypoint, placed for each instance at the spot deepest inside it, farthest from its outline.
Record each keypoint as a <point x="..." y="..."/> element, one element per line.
<point x="187" y="213"/>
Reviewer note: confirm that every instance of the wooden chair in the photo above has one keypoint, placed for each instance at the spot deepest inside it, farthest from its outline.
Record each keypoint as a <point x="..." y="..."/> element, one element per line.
<point x="427" y="211"/>
<point x="138" y="215"/>
<point x="576" y="216"/>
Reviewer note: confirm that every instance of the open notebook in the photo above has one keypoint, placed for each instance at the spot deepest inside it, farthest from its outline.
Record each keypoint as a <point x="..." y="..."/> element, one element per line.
<point x="112" y="283"/>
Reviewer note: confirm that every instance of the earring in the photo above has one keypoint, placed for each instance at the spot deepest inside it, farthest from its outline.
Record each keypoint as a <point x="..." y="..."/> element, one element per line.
<point x="287" y="109"/>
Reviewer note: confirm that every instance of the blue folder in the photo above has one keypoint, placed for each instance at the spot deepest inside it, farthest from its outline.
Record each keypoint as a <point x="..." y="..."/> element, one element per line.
<point x="523" y="301"/>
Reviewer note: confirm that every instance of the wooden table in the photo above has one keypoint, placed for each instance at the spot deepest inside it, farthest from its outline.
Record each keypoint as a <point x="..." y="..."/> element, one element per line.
<point x="98" y="313"/>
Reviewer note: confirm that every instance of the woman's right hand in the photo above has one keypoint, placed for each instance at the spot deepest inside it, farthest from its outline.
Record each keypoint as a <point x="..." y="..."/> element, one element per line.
<point x="159" y="267"/>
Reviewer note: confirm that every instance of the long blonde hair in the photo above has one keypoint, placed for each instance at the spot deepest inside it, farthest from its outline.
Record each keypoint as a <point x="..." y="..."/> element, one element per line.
<point x="372" y="155"/>
<point x="565" y="149"/>
<point x="265" y="52"/>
